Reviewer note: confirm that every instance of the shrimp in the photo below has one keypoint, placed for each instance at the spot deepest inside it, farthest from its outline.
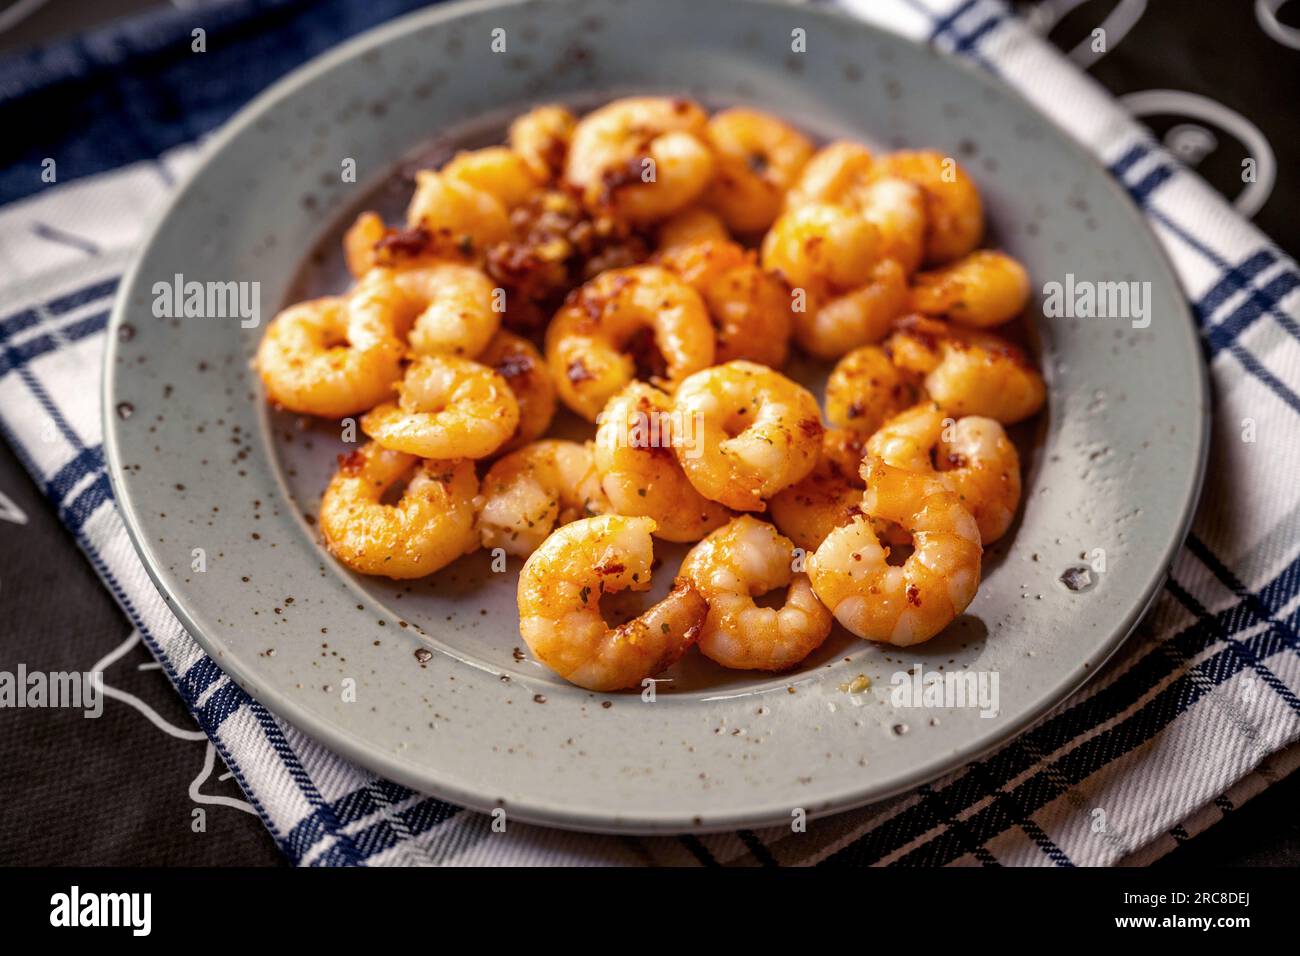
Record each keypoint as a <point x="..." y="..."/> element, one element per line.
<point x="849" y="240"/>
<point x="977" y="460"/>
<point x="526" y="494"/>
<point x="517" y="361"/>
<point x="828" y="497"/>
<point x="822" y="248"/>
<point x="588" y="340"/>
<point x="639" y="471"/>
<point x="559" y="595"/>
<point x="751" y="308"/>
<point x="449" y="308"/>
<point x="758" y="432"/>
<point x="845" y="174"/>
<point x="428" y="528"/>
<point x="907" y="439"/>
<point x="972" y="455"/>
<point x="831" y="495"/>
<point x="541" y="138"/>
<point x="370" y="244"/>
<point x="835" y="174"/>
<point x="865" y="388"/>
<point x="689" y="226"/>
<point x="448" y="407"/>
<point x="953" y="211"/>
<point x="318" y="358"/>
<point x="758" y="159"/>
<point x="462" y="220"/>
<point x="968" y="372"/>
<point x="896" y="208"/>
<point x="909" y="604"/>
<point x="845" y="448"/>
<point x="830" y="328"/>
<point x="359" y="242"/>
<point x="982" y="289"/>
<point x="736" y="563"/>
<point x="496" y="170"/>
<point x="640" y="158"/>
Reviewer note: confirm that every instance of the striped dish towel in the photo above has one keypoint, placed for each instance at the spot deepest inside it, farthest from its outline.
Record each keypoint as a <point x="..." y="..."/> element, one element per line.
<point x="1193" y="716"/>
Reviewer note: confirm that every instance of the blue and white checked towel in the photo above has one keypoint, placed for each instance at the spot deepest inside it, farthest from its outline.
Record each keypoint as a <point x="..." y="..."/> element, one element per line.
<point x="1197" y="714"/>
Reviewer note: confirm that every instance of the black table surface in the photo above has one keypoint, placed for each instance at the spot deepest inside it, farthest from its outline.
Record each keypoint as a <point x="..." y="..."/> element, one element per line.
<point x="137" y="793"/>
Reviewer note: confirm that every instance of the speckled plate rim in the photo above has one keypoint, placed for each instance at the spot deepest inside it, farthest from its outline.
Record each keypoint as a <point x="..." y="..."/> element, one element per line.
<point x="756" y="813"/>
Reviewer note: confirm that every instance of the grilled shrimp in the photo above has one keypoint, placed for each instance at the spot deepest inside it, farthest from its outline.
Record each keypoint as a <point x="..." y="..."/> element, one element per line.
<point x="750" y="308"/>
<point x="461" y="220"/>
<point x="977" y="460"/>
<point x="759" y="433"/>
<point x="833" y="255"/>
<point x="496" y="170"/>
<point x="835" y="174"/>
<point x="981" y="289"/>
<point x="560" y="618"/>
<point x="865" y="388"/>
<point x="907" y="440"/>
<point x="829" y="496"/>
<point x="640" y="158"/>
<point x="972" y="455"/>
<point x="954" y="214"/>
<point x="541" y="138"/>
<point x="689" y="226"/>
<point x="589" y="338"/>
<point x="969" y="372"/>
<point x="638" y="468"/>
<point x="448" y="407"/>
<point x="360" y="240"/>
<point x="830" y="328"/>
<point x="845" y="174"/>
<point x="896" y="207"/>
<point x="909" y="604"/>
<point x="371" y="244"/>
<point x="822" y="248"/>
<point x="736" y="563"/>
<point x="758" y="159"/>
<point x="845" y="448"/>
<point x="429" y="527"/>
<point x="517" y="361"/>
<point x="526" y="494"/>
<point x="448" y="307"/>
<point x="318" y="358"/>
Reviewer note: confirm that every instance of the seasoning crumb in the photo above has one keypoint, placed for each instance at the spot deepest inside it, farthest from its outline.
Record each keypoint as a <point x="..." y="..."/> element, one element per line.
<point x="857" y="685"/>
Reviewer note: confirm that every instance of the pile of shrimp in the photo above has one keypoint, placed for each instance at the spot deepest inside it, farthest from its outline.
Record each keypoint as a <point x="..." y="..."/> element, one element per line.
<point x="647" y="270"/>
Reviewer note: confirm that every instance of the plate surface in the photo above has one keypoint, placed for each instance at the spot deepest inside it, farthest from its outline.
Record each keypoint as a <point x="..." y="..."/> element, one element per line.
<point x="201" y="462"/>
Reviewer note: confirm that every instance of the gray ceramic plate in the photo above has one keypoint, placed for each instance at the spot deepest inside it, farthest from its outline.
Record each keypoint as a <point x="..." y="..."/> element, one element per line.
<point x="1114" y="463"/>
